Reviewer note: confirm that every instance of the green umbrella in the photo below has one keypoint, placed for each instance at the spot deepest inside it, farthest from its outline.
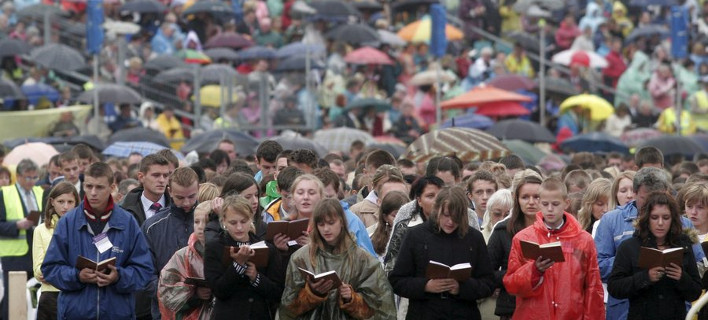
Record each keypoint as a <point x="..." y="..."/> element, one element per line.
<point x="528" y="152"/>
<point x="380" y="105"/>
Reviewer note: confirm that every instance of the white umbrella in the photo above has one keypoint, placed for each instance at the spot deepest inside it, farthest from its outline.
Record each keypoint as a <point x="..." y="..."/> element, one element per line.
<point x="391" y="38"/>
<point x="121" y="27"/>
<point x="429" y="77"/>
<point x="566" y="57"/>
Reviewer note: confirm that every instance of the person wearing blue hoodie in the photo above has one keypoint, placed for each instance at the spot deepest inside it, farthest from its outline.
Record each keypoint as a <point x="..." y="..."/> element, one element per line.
<point x="98" y="230"/>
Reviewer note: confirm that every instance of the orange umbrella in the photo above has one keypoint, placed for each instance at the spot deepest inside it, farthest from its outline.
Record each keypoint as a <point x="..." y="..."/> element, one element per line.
<point x="481" y="95"/>
<point x="502" y="109"/>
<point x="419" y="31"/>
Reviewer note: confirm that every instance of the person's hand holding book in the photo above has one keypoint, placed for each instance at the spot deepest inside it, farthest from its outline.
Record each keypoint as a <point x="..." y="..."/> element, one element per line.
<point x="543" y="264"/>
<point x="673" y="271"/>
<point x="104" y="279"/>
<point x="281" y="242"/>
<point x="320" y="287"/>
<point x="441" y="285"/>
<point x="242" y="254"/>
<point x="251" y="271"/>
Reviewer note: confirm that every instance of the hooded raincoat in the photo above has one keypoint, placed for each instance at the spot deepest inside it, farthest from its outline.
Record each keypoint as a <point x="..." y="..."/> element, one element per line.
<point x="632" y="80"/>
<point x="567" y="290"/>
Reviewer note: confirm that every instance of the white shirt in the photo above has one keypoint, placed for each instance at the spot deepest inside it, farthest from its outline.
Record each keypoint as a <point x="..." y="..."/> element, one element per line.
<point x="147" y="203"/>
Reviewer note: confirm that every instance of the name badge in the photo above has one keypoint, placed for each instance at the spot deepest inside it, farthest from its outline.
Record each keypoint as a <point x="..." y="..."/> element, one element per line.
<point x="102" y="242"/>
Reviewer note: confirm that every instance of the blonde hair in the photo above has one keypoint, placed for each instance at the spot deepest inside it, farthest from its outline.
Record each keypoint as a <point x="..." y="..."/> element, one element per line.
<point x="208" y="191"/>
<point x="598" y="189"/>
<point x="615" y="186"/>
<point x="501" y="197"/>
<point x="308" y="177"/>
<point x="238" y="205"/>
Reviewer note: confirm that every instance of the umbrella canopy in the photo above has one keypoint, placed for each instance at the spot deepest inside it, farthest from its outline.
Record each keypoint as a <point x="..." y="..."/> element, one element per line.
<point x="390" y="38"/>
<point x="482" y="95"/>
<point x="10" y="90"/>
<point x="395" y="149"/>
<point x="362" y="103"/>
<point x="512" y="82"/>
<point x="333" y="10"/>
<point x="354" y="34"/>
<point x="214" y="72"/>
<point x="139" y="134"/>
<point x="367" y="5"/>
<point x="502" y="109"/>
<point x="193" y="56"/>
<point x="121" y="27"/>
<point x="367" y="55"/>
<point x="521" y="130"/>
<point x="38" y="152"/>
<point x="12" y="47"/>
<point x="558" y="86"/>
<point x="296" y="141"/>
<point x="164" y="62"/>
<point x="409" y="5"/>
<point x="599" y="108"/>
<point x="58" y="56"/>
<point x="208" y="141"/>
<point x="231" y="40"/>
<point x="210" y="96"/>
<point x="34" y="92"/>
<point x="216" y="8"/>
<point x="144" y="6"/>
<point x="468" y="120"/>
<point x="299" y="48"/>
<point x="37" y="11"/>
<point x="671" y="145"/>
<point x="61" y="144"/>
<point x="586" y="58"/>
<point x="111" y="93"/>
<point x="219" y="54"/>
<point x="419" y="31"/>
<point x="175" y="75"/>
<point x="124" y="149"/>
<point x="646" y="3"/>
<point x="594" y="142"/>
<point x="647" y="31"/>
<point x="523" y="6"/>
<point x="528" y="152"/>
<point x="701" y="139"/>
<point x="257" y="52"/>
<point x="526" y="40"/>
<point x="340" y="139"/>
<point x="466" y="144"/>
<point x="430" y="76"/>
<point x="299" y="63"/>
<point x="634" y="137"/>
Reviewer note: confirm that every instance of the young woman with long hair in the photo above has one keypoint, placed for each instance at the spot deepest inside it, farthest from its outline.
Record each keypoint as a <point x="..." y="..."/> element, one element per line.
<point x="390" y="205"/>
<point x="594" y="204"/>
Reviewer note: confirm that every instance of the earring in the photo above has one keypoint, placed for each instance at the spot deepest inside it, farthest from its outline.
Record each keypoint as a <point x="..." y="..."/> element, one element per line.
<point x="223" y="226"/>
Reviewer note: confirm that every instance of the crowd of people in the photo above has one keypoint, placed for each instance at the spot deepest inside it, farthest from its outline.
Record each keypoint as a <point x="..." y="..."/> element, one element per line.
<point x="183" y="238"/>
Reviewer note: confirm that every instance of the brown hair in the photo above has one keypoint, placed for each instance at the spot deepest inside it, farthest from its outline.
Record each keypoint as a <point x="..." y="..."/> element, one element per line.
<point x="184" y="177"/>
<point x="99" y="170"/>
<point x="391" y="202"/>
<point x="152" y="160"/>
<point x="454" y="199"/>
<point x="516" y="220"/>
<point x="653" y="200"/>
<point x="324" y="210"/>
<point x="61" y="188"/>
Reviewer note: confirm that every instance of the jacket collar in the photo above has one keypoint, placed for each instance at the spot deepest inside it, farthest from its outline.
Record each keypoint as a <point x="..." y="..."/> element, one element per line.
<point x="118" y="220"/>
<point x="629" y="211"/>
<point x="570" y="228"/>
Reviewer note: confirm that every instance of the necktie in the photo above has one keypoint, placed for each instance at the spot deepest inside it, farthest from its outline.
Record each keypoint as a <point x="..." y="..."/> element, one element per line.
<point x="31" y="204"/>
<point x="155" y="207"/>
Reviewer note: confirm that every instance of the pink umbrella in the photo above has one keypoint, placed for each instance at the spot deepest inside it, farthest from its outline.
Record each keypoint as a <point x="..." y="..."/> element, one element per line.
<point x="38" y="152"/>
<point x="367" y="55"/>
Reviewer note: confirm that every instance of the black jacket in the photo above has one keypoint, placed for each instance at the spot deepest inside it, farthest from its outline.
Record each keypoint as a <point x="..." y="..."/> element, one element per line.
<point x="664" y="299"/>
<point x="131" y="203"/>
<point x="236" y="298"/>
<point x="423" y="243"/>
<point x="499" y="247"/>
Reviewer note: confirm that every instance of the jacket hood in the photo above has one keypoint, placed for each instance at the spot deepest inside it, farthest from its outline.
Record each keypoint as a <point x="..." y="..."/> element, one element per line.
<point x="570" y="228"/>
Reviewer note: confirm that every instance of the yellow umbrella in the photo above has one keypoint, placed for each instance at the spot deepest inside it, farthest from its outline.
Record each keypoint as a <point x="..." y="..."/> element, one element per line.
<point x="210" y="96"/>
<point x="599" y="108"/>
<point x="419" y="31"/>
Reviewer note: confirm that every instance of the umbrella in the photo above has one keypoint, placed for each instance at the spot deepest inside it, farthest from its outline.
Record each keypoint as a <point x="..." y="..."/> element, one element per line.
<point x="300" y="9"/>
<point x="586" y="58"/>
<point x="512" y="82"/>
<point x="333" y="10"/>
<point x="599" y="108"/>
<point x="367" y="55"/>
<point x="296" y="141"/>
<point x="558" y="86"/>
<point x="362" y="103"/>
<point x="37" y="11"/>
<point x="636" y="136"/>
<point x="521" y="130"/>
<point x="10" y="90"/>
<point x="139" y="134"/>
<point x="340" y="139"/>
<point x="647" y="31"/>
<point x="111" y="93"/>
<point x="38" y="152"/>
<point x="215" y="72"/>
<point x="395" y="149"/>
<point x="354" y="34"/>
<point x="468" y="120"/>
<point x="671" y="145"/>
<point x="61" y="144"/>
<point x="143" y="6"/>
<point x="12" y="47"/>
<point x="367" y="5"/>
<point x="482" y="95"/>
<point x="164" y="62"/>
<point x="523" y="6"/>
<point x="528" y="152"/>
<point x="502" y="109"/>
<point x="220" y="54"/>
<point x="121" y="27"/>
<point x="58" y="56"/>
<point x="526" y="40"/>
<point x="34" y="92"/>
<point x="466" y="144"/>
<point x="409" y="5"/>
<point x="646" y="3"/>
<point x="175" y="75"/>
<point x="430" y="76"/>
<point x="123" y="149"/>
<point x="390" y="38"/>
<point x="299" y="48"/>
<point x="210" y="96"/>
<point x="216" y="8"/>
<point x="231" y="40"/>
<point x="193" y="56"/>
<point x="299" y="63"/>
<point x="208" y="141"/>
<point x="257" y="52"/>
<point x="595" y="142"/>
<point x="701" y="139"/>
<point x="419" y="31"/>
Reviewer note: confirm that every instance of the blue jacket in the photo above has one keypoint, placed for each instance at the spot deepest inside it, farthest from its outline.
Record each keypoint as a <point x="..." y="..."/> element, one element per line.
<point x="358" y="229"/>
<point x="615" y="227"/>
<point x="72" y="237"/>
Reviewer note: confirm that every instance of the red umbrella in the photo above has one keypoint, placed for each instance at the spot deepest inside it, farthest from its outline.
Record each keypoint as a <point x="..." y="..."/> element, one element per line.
<point x="482" y="95"/>
<point x="502" y="109"/>
<point x="367" y="55"/>
<point x="512" y="82"/>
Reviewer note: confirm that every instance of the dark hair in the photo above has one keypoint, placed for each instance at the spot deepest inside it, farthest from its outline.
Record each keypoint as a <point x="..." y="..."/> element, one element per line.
<point x="481" y="175"/>
<point x="391" y="202"/>
<point x="455" y="201"/>
<point x="675" y="230"/>
<point x="648" y="154"/>
<point x="516" y="221"/>
<point x="512" y="162"/>
<point x="419" y="185"/>
<point x="199" y="171"/>
<point x="242" y="166"/>
<point x="378" y="158"/>
<point x="287" y="176"/>
<point x="327" y="176"/>
<point x="405" y="163"/>
<point x="83" y="151"/>
<point x="207" y="163"/>
<point x="61" y="188"/>
<point x="236" y="183"/>
<point x="170" y="156"/>
<point x="304" y="156"/>
<point x="152" y="160"/>
<point x="268" y="150"/>
<point x="99" y="170"/>
<point x="329" y="209"/>
<point x="443" y="164"/>
<point x="219" y="156"/>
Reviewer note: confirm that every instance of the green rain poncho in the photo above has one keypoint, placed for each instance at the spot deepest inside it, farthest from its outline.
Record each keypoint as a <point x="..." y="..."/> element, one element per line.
<point x="632" y="80"/>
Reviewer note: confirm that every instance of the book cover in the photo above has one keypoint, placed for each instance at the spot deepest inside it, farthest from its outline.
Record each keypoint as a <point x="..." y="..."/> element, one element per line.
<point x="329" y="275"/>
<point x="260" y="257"/>
<point x="650" y="257"/>
<point x="292" y="229"/>
<point x="102" y="266"/>
<point x="552" y="250"/>
<point x="459" y="272"/>
<point x="34" y="217"/>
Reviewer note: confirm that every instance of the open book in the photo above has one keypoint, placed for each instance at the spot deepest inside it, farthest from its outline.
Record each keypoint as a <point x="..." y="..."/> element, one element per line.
<point x="437" y="270"/>
<point x="34" y="216"/>
<point x="329" y="275"/>
<point x="532" y="250"/>
<point x="199" y="282"/>
<point x="292" y="229"/>
<point x="260" y="257"/>
<point x="83" y="263"/>
<point x="650" y="257"/>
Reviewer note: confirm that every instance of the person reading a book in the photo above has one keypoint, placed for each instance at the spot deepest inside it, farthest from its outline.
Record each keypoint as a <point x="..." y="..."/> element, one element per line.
<point x="658" y="292"/>
<point x="307" y="191"/>
<point x="179" y="300"/>
<point x="364" y="291"/>
<point x="97" y="229"/>
<point x="561" y="282"/>
<point x="244" y="289"/>
<point x="445" y="238"/>
<point x="61" y="199"/>
<point x="242" y="184"/>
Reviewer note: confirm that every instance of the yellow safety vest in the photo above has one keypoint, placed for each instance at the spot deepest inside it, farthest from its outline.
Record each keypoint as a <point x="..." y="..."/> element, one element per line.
<point x="702" y="103"/>
<point x="16" y="246"/>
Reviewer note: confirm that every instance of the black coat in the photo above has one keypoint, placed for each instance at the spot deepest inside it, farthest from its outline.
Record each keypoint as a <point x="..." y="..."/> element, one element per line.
<point x="499" y="247"/>
<point x="134" y="205"/>
<point x="423" y="243"/>
<point x="236" y="298"/>
<point x="664" y="299"/>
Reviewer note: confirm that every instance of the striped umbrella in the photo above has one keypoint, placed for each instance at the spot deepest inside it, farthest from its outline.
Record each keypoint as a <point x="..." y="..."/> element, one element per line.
<point x="466" y="144"/>
<point x="419" y="31"/>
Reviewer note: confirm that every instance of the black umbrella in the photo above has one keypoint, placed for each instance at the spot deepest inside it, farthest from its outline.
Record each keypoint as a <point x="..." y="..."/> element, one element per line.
<point x="362" y="103"/>
<point x="218" y="54"/>
<point x="647" y="31"/>
<point x="143" y="6"/>
<point x="10" y="90"/>
<point x="333" y="10"/>
<point x="671" y="145"/>
<point x="521" y="130"/>
<point x="37" y="11"/>
<point x="559" y="86"/>
<point x="299" y="63"/>
<point x="526" y="40"/>
<point x="12" y="47"/>
<point x="208" y="141"/>
<point x="139" y="134"/>
<point x="111" y="93"/>
<point x="595" y="142"/>
<point x="296" y="141"/>
<point x="215" y="72"/>
<point x="209" y="74"/>
<point x="412" y="4"/>
<point x="175" y="75"/>
<point x="164" y="62"/>
<point x="367" y="5"/>
<point x="354" y="34"/>
<point x="216" y="8"/>
<point x="58" y="56"/>
<point x="231" y="40"/>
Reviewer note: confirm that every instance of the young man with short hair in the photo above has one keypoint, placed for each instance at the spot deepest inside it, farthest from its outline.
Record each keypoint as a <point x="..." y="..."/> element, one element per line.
<point x="279" y="208"/>
<point x="266" y="156"/>
<point x="480" y="188"/>
<point x="98" y="230"/>
<point x="85" y="156"/>
<point x="145" y="201"/>
<point x="229" y="147"/>
<point x="649" y="157"/>
<point x="571" y="289"/>
<point x="171" y="158"/>
<point x="304" y="159"/>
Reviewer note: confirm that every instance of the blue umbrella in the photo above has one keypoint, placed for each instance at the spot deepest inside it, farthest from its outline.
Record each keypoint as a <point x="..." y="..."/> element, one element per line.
<point x="595" y="142"/>
<point x="469" y="120"/>
<point x="257" y="52"/>
<point x="34" y="92"/>
<point x="124" y="149"/>
<point x="299" y="48"/>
